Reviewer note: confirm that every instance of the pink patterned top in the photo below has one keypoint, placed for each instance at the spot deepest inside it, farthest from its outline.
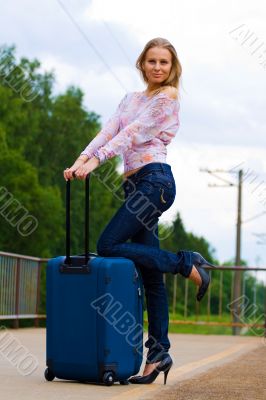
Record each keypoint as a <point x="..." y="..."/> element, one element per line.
<point x="140" y="130"/>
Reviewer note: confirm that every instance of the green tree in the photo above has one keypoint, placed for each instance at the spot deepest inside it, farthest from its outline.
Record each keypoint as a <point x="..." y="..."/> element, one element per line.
<point x="44" y="136"/>
<point x="20" y="196"/>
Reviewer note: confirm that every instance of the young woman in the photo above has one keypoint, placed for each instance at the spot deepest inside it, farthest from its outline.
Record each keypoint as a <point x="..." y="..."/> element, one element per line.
<point x="141" y="128"/>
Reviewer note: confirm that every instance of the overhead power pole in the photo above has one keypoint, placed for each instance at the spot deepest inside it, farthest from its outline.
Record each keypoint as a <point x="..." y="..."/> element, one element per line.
<point x="239" y="221"/>
<point x="237" y="274"/>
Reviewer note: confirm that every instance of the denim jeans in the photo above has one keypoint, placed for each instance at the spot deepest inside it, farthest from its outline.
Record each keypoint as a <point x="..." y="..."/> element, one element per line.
<point x="148" y="193"/>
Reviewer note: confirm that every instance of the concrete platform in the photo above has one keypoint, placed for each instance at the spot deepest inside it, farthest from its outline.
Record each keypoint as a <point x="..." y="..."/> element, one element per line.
<point x="241" y="379"/>
<point x="192" y="354"/>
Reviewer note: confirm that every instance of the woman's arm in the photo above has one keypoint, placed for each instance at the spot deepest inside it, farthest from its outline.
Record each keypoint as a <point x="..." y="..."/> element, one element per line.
<point x="109" y="130"/>
<point x="86" y="158"/>
<point x="156" y="117"/>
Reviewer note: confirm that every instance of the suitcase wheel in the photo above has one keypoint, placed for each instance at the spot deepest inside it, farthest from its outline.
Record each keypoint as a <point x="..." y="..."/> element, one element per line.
<point x="125" y="382"/>
<point x="49" y="375"/>
<point x="108" y="378"/>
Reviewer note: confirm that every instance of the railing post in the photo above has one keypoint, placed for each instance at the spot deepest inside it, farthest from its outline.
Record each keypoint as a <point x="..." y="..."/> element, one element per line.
<point x="231" y="299"/>
<point x="221" y="295"/>
<point x="16" y="320"/>
<point x="265" y="312"/>
<point x="209" y="298"/>
<point x="186" y="298"/>
<point x="38" y="289"/>
<point x="174" y="295"/>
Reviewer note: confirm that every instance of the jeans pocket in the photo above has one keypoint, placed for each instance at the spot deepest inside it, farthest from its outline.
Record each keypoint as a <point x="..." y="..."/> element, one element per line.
<point x="160" y="179"/>
<point x="161" y="187"/>
<point x="167" y="195"/>
<point x="167" y="189"/>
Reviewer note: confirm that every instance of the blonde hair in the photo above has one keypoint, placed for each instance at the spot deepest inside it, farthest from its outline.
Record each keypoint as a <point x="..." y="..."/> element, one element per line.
<point x="176" y="70"/>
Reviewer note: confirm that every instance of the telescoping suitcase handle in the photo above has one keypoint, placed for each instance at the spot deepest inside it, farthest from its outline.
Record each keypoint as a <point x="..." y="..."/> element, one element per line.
<point x="67" y="266"/>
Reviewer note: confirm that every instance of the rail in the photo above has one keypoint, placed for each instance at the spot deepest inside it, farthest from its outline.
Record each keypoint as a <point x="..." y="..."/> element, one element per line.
<point x="20" y="277"/>
<point x="20" y="282"/>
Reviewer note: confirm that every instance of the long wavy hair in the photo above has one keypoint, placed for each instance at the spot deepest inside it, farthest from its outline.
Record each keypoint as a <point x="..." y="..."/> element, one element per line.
<point x="176" y="70"/>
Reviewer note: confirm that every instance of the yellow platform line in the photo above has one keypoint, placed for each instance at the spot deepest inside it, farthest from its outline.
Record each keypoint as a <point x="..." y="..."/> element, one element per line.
<point x="137" y="391"/>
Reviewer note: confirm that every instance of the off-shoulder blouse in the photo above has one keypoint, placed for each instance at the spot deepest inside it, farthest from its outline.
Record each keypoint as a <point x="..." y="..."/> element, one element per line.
<point x="139" y="130"/>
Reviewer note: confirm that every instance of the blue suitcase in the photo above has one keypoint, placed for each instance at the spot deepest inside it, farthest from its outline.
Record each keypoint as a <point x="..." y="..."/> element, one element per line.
<point x="94" y="311"/>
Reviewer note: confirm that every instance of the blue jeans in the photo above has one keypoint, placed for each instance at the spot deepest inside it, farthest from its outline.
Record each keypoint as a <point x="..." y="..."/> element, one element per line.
<point x="148" y="193"/>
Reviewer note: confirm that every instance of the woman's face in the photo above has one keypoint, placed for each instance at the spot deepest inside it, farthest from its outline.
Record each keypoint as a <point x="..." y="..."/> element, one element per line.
<point x="157" y="65"/>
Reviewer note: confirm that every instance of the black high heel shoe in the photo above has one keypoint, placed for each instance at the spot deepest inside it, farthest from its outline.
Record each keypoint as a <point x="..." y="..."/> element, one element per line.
<point x="199" y="262"/>
<point x="196" y="259"/>
<point x="164" y="367"/>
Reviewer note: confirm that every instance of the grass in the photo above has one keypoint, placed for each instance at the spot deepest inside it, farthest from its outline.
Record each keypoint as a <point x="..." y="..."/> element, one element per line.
<point x="208" y="329"/>
<point x="179" y="328"/>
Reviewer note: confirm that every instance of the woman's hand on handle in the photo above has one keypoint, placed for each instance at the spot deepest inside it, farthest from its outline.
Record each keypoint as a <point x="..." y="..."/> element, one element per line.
<point x="87" y="168"/>
<point x="68" y="172"/>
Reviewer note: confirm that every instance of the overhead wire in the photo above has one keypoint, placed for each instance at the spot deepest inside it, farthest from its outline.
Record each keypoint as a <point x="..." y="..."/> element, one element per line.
<point x="117" y="42"/>
<point x="83" y="34"/>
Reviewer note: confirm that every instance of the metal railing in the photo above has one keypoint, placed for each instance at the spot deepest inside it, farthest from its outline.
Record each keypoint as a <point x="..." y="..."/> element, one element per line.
<point x="20" y="287"/>
<point x="20" y="278"/>
<point x="241" y="312"/>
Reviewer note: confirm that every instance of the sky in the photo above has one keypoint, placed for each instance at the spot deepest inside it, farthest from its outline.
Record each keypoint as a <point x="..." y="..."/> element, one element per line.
<point x="221" y="46"/>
